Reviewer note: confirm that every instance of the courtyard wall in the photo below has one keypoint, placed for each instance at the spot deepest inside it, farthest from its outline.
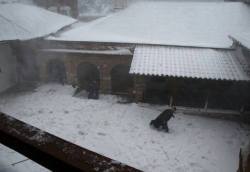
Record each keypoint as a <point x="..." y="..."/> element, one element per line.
<point x="8" y="68"/>
<point x="103" y="62"/>
<point x="151" y="89"/>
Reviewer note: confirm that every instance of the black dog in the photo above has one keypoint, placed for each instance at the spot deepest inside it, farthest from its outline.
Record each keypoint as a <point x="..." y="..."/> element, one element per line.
<point x="161" y="122"/>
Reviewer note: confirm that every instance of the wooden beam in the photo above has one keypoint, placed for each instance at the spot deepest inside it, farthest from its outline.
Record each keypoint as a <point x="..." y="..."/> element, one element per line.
<point x="53" y="152"/>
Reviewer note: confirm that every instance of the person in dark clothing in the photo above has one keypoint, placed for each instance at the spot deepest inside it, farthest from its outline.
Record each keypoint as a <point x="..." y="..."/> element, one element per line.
<point x="62" y="79"/>
<point x="161" y="122"/>
<point x="93" y="90"/>
<point x="78" y="88"/>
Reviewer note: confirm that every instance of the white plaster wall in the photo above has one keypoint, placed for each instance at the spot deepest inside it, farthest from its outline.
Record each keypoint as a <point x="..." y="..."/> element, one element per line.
<point x="7" y="67"/>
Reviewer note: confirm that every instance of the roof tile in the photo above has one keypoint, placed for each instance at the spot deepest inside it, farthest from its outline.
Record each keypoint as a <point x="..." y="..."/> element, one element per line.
<point x="187" y="62"/>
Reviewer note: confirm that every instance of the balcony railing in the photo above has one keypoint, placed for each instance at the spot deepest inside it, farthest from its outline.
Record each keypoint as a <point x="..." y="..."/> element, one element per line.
<point x="53" y="152"/>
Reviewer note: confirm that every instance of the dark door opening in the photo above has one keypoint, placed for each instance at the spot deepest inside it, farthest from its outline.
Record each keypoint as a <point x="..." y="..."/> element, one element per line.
<point x="56" y="71"/>
<point x="121" y="81"/>
<point x="156" y="91"/>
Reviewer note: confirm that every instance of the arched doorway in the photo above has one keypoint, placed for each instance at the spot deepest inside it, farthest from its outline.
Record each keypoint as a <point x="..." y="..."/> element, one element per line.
<point x="121" y="81"/>
<point x="87" y="73"/>
<point x="56" y="71"/>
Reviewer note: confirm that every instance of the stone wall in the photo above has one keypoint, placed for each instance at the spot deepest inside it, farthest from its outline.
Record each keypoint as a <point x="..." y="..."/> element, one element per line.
<point x="103" y="62"/>
<point x="179" y="91"/>
<point x="8" y="74"/>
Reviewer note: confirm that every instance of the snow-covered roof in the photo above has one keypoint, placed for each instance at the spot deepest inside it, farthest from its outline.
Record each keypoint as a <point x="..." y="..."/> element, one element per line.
<point x="200" y="63"/>
<point x="243" y="38"/>
<point x="109" y="52"/>
<point x="19" y="21"/>
<point x="16" y="1"/>
<point x="198" y="24"/>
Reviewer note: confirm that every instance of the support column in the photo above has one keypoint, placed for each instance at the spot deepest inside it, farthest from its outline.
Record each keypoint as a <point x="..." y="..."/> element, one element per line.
<point x="105" y="85"/>
<point x="71" y="70"/>
<point x="105" y="79"/>
<point x="171" y="101"/>
<point x="139" y="87"/>
<point x="206" y="103"/>
<point x="43" y="72"/>
<point x="242" y="109"/>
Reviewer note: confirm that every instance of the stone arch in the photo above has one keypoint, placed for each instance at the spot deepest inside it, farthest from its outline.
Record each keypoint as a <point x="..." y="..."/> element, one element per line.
<point x="121" y="81"/>
<point x="87" y="73"/>
<point x="56" y="71"/>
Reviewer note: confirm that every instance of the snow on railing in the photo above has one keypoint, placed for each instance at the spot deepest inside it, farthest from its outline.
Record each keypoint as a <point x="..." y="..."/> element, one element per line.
<point x="52" y="152"/>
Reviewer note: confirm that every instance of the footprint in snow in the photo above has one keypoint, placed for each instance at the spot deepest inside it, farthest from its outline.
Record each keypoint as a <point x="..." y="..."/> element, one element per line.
<point x="81" y="133"/>
<point x="139" y="147"/>
<point x="51" y="91"/>
<point x="205" y="158"/>
<point x="40" y="111"/>
<point x="101" y="134"/>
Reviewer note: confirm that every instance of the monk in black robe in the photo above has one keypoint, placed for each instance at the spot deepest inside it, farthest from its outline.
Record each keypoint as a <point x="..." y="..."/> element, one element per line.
<point x="161" y="122"/>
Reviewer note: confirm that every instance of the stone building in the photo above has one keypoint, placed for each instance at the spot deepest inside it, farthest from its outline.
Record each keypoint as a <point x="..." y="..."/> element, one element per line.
<point x="195" y="67"/>
<point x="130" y="57"/>
<point x="17" y="27"/>
<point x="100" y="61"/>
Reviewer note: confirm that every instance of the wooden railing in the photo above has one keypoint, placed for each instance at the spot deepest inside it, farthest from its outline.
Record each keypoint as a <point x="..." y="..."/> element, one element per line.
<point x="53" y="152"/>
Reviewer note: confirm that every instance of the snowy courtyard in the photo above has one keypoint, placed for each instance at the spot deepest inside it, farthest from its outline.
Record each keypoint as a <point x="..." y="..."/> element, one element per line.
<point x="122" y="132"/>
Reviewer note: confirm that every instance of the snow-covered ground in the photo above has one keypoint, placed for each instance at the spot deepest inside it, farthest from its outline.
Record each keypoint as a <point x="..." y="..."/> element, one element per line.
<point x="122" y="132"/>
